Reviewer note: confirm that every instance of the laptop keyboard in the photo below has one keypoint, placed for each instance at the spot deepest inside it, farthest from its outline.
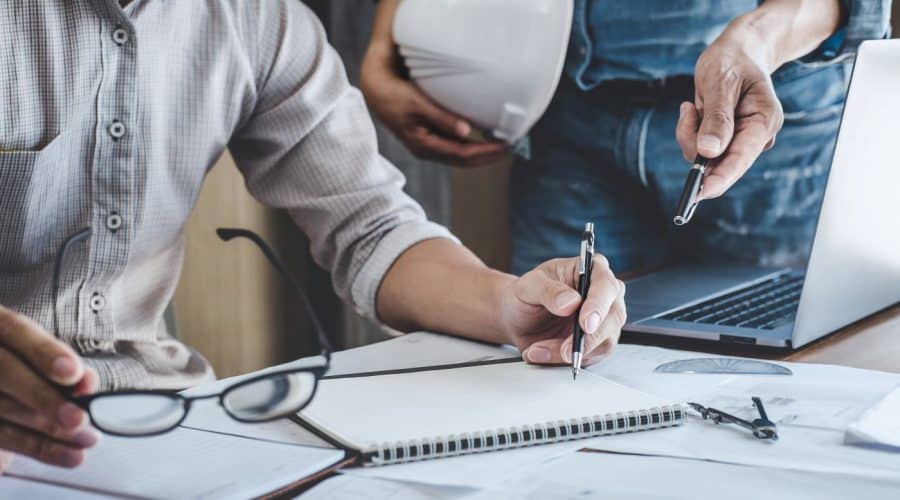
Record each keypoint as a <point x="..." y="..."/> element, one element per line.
<point x="766" y="305"/>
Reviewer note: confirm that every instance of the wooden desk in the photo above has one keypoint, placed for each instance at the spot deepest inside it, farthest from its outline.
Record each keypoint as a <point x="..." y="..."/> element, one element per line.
<point x="873" y="343"/>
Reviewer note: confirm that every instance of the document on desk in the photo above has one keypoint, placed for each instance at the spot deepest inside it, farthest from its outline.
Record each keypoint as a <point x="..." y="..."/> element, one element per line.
<point x="604" y="475"/>
<point x="879" y="426"/>
<point x="344" y="487"/>
<point x="15" y="488"/>
<point x="184" y="464"/>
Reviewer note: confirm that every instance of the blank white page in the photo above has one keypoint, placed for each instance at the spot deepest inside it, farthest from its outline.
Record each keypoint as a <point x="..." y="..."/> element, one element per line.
<point x="437" y="403"/>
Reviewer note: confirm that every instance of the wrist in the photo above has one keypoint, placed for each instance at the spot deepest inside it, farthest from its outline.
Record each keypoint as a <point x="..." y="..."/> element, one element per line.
<point x="502" y="296"/>
<point x="754" y="36"/>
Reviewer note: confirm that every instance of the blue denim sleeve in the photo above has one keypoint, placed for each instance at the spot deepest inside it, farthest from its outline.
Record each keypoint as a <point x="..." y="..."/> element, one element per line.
<point x="866" y="20"/>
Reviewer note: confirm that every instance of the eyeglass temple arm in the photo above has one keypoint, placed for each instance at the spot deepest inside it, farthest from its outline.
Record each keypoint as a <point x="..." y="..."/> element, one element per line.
<point x="227" y="234"/>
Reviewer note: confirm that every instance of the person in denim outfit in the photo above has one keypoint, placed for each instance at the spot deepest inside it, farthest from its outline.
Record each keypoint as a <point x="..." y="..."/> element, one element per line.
<point x="648" y="84"/>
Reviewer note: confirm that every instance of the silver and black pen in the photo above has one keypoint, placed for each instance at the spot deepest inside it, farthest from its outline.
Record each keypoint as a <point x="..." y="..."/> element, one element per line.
<point x="585" y="264"/>
<point x="688" y="202"/>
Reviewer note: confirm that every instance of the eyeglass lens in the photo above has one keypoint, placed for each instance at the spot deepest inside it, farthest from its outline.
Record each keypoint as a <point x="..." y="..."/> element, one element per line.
<point x="135" y="414"/>
<point x="271" y="397"/>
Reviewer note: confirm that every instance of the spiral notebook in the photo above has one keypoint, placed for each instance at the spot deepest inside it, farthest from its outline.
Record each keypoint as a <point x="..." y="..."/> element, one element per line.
<point x="409" y="415"/>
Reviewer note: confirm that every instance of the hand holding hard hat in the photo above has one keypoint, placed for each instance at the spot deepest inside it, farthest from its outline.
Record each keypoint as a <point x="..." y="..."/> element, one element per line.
<point x="494" y="63"/>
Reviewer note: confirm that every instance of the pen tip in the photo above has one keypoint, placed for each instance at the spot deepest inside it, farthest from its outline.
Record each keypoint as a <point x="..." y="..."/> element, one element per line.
<point x="574" y="373"/>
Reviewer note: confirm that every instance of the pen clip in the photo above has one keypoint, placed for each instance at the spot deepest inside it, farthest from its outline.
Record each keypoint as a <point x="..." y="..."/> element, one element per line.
<point x="587" y="247"/>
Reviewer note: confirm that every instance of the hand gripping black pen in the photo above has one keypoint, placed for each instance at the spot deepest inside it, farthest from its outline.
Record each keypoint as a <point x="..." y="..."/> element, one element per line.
<point x="585" y="264"/>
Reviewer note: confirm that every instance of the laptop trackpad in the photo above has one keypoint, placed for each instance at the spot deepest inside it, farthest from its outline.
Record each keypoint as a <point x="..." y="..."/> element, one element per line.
<point x="662" y="291"/>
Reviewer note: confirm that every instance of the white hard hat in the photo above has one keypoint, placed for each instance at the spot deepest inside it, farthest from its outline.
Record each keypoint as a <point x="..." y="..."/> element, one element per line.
<point x="494" y="62"/>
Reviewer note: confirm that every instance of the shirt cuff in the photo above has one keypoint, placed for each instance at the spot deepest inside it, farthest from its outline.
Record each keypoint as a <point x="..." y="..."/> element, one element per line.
<point x="367" y="282"/>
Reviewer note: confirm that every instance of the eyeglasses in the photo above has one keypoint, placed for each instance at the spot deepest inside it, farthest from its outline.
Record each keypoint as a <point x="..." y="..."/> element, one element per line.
<point x="263" y="398"/>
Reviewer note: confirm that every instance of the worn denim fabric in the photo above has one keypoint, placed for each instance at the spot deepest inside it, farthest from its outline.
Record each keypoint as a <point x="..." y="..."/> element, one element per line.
<point x="613" y="160"/>
<point x="655" y="39"/>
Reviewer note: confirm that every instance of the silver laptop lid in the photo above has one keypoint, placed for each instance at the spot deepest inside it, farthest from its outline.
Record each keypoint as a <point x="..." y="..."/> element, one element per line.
<point x="854" y="266"/>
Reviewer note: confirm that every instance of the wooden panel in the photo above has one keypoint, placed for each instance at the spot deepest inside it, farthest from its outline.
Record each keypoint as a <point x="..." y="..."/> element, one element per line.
<point x="227" y="302"/>
<point x="480" y="211"/>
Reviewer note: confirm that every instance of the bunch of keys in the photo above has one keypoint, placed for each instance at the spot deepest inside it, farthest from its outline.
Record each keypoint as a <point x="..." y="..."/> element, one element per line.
<point x="762" y="427"/>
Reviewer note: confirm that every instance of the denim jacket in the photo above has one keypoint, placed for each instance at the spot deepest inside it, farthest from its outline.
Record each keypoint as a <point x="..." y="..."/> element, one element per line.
<point x="656" y="39"/>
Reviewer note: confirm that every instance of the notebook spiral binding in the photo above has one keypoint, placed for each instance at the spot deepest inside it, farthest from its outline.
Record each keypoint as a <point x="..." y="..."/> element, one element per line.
<point x="515" y="437"/>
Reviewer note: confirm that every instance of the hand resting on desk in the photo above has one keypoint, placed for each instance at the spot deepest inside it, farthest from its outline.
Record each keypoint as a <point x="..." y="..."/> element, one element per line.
<point x="35" y="418"/>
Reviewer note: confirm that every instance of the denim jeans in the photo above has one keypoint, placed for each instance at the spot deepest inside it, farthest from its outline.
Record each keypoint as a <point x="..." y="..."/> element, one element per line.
<point x="612" y="159"/>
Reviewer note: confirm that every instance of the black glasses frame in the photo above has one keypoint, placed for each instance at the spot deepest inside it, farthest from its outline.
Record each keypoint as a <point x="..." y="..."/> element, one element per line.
<point x="225" y="234"/>
<point x="84" y="402"/>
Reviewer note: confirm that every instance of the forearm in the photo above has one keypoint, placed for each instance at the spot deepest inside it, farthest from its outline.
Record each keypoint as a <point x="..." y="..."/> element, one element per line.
<point x="382" y="39"/>
<point x="438" y="285"/>
<point x="783" y="30"/>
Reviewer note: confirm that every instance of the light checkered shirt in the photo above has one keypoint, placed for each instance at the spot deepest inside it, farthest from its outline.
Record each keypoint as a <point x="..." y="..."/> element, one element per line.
<point x="111" y="117"/>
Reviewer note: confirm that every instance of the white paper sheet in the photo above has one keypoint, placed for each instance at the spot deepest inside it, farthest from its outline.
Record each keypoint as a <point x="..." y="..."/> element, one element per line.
<point x="880" y="425"/>
<point x="798" y="448"/>
<point x="13" y="488"/>
<point x="478" y="470"/>
<point x="597" y="475"/>
<point x="346" y="487"/>
<point x="185" y="464"/>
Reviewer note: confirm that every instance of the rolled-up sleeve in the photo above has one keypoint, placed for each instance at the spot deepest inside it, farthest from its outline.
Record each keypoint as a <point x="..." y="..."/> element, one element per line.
<point x="309" y="147"/>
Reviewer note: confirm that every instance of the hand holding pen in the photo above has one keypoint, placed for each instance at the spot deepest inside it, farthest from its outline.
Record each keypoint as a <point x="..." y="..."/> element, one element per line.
<point x="545" y="302"/>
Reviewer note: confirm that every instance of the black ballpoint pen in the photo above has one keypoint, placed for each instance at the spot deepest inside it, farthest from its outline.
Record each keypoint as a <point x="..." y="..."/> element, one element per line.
<point x="688" y="202"/>
<point x="585" y="264"/>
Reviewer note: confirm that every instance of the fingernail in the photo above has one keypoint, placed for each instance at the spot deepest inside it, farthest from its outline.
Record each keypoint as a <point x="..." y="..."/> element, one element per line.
<point x="538" y="354"/>
<point x="593" y="322"/>
<point x="68" y="458"/>
<point x="566" y="299"/>
<point x="86" y="438"/>
<point x="709" y="144"/>
<point x="567" y="352"/>
<point x="463" y="129"/>
<point x="69" y="416"/>
<point x="64" y="367"/>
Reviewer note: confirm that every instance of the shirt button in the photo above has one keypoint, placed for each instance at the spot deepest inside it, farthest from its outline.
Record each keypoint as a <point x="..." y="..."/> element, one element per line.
<point x="582" y="50"/>
<point x="113" y="221"/>
<point x="120" y="36"/>
<point x="98" y="302"/>
<point x="117" y="129"/>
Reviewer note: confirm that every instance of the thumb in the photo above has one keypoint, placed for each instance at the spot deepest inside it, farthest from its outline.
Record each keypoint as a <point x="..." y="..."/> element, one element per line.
<point x="717" y="121"/>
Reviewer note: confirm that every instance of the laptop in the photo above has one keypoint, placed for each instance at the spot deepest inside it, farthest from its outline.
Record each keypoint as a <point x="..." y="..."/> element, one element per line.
<point x="853" y="269"/>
